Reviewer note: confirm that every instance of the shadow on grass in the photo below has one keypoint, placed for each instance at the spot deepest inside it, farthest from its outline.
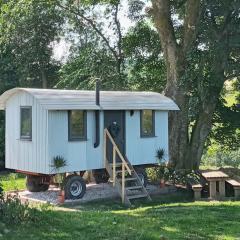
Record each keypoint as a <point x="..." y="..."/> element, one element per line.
<point x="115" y="204"/>
<point x="172" y="217"/>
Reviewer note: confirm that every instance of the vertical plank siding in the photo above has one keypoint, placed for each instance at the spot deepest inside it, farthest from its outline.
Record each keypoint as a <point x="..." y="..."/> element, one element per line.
<point x="142" y="150"/>
<point x="50" y="138"/>
<point x="21" y="154"/>
<point x="80" y="155"/>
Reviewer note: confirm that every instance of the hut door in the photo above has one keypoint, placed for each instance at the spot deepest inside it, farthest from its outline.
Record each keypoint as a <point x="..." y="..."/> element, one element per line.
<point x="114" y="121"/>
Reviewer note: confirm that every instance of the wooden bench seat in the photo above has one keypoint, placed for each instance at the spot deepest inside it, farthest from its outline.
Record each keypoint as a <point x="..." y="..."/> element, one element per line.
<point x="236" y="187"/>
<point x="234" y="183"/>
<point x="196" y="187"/>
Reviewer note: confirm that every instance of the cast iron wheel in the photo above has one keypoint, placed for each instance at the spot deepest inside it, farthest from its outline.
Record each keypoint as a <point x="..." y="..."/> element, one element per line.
<point x="34" y="184"/>
<point x="100" y="176"/>
<point x="75" y="187"/>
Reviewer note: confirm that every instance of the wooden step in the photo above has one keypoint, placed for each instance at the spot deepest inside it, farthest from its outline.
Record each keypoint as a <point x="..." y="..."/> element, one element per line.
<point x="120" y="171"/>
<point x="134" y="188"/>
<point x="118" y="164"/>
<point x="137" y="196"/>
<point x="130" y="179"/>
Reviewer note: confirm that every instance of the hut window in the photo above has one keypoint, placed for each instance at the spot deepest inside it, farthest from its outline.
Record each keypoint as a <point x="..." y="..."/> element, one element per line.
<point x="77" y="125"/>
<point x="147" y="123"/>
<point x="26" y="123"/>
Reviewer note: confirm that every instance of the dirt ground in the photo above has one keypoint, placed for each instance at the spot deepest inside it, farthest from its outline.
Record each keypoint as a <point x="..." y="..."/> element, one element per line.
<point x="94" y="192"/>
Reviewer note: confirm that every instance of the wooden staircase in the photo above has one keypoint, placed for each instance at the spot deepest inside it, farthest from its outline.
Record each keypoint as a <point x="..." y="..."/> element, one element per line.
<point x="124" y="177"/>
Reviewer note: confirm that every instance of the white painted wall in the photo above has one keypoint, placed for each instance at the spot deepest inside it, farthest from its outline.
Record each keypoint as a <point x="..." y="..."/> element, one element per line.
<point x="26" y="155"/>
<point x="50" y="138"/>
<point x="80" y="155"/>
<point x="143" y="150"/>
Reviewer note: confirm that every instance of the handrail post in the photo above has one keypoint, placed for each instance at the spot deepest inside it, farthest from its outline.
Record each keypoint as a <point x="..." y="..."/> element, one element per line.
<point x="105" y="148"/>
<point x="114" y="165"/>
<point x="123" y="183"/>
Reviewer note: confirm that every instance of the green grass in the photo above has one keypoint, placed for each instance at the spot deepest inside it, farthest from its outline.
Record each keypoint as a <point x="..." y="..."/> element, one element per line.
<point x="164" y="218"/>
<point x="12" y="181"/>
<point x="168" y="217"/>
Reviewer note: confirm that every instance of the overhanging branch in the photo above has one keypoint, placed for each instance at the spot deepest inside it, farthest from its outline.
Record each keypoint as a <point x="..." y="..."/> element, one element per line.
<point x="90" y="22"/>
<point x="161" y="13"/>
<point x="191" y="20"/>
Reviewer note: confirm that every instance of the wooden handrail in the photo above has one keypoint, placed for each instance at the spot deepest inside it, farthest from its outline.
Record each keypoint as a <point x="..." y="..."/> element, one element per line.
<point x="115" y="147"/>
<point x="125" y="167"/>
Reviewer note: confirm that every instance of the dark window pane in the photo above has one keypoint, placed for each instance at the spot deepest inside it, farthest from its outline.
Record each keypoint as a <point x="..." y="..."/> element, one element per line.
<point x="147" y="123"/>
<point x="77" y="124"/>
<point x="26" y="122"/>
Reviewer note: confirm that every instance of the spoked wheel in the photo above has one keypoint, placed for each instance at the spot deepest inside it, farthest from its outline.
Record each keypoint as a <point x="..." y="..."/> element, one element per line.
<point x="75" y="187"/>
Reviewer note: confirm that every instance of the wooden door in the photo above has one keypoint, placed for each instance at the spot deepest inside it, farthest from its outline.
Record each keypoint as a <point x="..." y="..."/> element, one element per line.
<point x="114" y="121"/>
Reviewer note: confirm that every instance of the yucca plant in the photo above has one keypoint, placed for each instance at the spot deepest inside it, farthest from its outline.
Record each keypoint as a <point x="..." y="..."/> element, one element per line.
<point x="59" y="162"/>
<point x="160" y="152"/>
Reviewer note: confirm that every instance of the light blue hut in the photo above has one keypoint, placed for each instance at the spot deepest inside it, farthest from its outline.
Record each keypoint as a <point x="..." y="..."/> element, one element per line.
<point x="44" y="123"/>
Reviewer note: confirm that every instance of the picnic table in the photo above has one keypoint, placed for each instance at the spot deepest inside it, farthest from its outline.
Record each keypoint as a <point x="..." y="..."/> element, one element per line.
<point x="216" y="181"/>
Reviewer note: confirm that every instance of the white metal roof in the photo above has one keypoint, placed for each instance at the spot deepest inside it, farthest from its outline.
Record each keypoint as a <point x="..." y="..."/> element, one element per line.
<point x="56" y="99"/>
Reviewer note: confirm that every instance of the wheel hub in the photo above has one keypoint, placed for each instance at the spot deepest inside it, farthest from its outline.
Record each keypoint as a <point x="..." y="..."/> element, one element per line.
<point x="76" y="188"/>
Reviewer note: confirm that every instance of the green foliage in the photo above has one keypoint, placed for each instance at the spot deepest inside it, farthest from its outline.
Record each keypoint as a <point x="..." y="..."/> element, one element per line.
<point x="220" y="158"/>
<point x="12" y="211"/>
<point x="1" y="190"/>
<point x="226" y="129"/>
<point x="81" y="71"/>
<point x="12" y="181"/>
<point x="28" y="28"/>
<point x="146" y="67"/>
<point x="168" y="173"/>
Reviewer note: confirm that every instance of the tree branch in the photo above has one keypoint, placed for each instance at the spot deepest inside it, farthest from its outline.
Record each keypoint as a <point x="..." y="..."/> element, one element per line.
<point x="191" y="20"/>
<point x="162" y="17"/>
<point x="90" y="22"/>
<point x="119" y="33"/>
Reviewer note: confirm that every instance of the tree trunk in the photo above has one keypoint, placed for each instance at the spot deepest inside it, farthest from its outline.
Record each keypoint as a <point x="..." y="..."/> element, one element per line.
<point x="178" y="125"/>
<point x="175" y="58"/>
<point x="186" y="147"/>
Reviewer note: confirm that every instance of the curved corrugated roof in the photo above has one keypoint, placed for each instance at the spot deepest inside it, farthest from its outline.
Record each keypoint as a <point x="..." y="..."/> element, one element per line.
<point x="57" y="99"/>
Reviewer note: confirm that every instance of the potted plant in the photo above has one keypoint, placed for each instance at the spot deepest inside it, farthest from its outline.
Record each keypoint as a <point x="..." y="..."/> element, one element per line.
<point x="58" y="163"/>
<point x="161" y="170"/>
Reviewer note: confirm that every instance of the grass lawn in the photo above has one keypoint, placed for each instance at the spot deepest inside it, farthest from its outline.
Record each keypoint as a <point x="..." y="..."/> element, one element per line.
<point x="167" y="217"/>
<point x="12" y="181"/>
<point x="164" y="218"/>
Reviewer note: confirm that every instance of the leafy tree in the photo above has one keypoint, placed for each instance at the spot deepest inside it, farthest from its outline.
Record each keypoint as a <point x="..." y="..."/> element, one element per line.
<point x="8" y="79"/>
<point x="30" y="27"/>
<point x="208" y="30"/>
<point x="92" y="17"/>
<point x="81" y="71"/>
<point x="145" y="64"/>
<point x="27" y="30"/>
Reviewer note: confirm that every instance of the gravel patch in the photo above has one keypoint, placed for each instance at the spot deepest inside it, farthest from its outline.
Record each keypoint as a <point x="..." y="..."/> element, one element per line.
<point x="93" y="192"/>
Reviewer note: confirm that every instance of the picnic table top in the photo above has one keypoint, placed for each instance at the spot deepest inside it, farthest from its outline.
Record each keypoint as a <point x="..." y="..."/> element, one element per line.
<point x="215" y="175"/>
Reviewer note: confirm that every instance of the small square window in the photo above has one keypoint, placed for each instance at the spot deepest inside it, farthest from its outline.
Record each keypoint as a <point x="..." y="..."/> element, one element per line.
<point x="147" y="123"/>
<point x="26" y="123"/>
<point x="77" y="125"/>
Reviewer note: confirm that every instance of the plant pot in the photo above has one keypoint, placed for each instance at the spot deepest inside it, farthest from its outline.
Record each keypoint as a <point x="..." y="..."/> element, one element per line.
<point x="162" y="183"/>
<point x="61" y="196"/>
